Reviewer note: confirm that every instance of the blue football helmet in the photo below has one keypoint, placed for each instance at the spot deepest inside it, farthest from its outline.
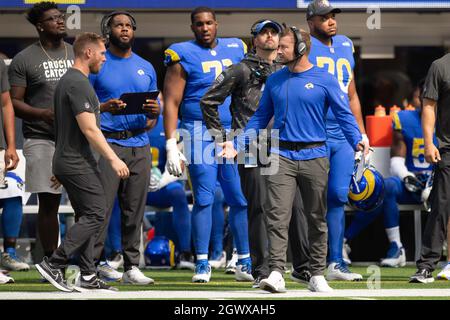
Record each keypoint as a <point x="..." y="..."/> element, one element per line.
<point x="160" y="253"/>
<point x="367" y="191"/>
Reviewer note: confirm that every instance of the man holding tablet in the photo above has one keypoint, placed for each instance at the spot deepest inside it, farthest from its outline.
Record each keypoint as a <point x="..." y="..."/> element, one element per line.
<point x="125" y="72"/>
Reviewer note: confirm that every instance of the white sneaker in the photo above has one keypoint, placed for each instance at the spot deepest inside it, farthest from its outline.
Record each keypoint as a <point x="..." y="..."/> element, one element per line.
<point x="345" y="252"/>
<point x="244" y="271"/>
<point x="13" y="263"/>
<point x="340" y="272"/>
<point x="274" y="283"/>
<point x="108" y="273"/>
<point x="135" y="276"/>
<point x="5" y="279"/>
<point x="202" y="272"/>
<point x="219" y="263"/>
<point x="319" y="284"/>
<point x="117" y="261"/>
<point x="396" y="257"/>
<point x="445" y="273"/>
<point x="231" y="266"/>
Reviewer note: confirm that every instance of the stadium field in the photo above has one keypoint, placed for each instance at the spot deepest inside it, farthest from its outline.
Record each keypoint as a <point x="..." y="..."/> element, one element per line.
<point x="175" y="284"/>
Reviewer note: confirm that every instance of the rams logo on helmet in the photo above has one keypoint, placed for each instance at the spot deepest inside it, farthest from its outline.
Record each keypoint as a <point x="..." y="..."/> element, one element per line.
<point x="366" y="194"/>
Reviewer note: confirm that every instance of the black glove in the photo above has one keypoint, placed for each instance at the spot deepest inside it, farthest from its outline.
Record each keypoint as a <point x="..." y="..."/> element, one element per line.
<point x="413" y="184"/>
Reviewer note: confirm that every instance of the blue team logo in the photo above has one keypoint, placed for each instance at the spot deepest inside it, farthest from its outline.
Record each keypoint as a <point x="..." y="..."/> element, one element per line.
<point x="367" y="193"/>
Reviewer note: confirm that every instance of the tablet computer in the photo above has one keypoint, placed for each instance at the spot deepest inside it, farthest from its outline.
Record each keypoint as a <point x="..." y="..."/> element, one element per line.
<point x="135" y="100"/>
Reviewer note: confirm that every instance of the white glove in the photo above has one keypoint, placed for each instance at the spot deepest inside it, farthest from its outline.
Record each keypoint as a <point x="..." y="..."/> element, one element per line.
<point x="165" y="179"/>
<point x="155" y="178"/>
<point x="174" y="158"/>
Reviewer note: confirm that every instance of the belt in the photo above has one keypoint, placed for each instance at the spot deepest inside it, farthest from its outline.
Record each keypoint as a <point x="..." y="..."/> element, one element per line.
<point x="123" y="135"/>
<point x="297" y="146"/>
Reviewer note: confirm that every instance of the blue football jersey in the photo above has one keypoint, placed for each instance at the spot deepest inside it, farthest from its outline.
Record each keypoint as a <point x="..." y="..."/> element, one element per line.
<point x="409" y="124"/>
<point x="338" y="60"/>
<point x="202" y="66"/>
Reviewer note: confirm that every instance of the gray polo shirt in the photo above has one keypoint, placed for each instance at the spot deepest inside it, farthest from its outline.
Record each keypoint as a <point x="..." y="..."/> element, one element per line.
<point x="74" y="95"/>
<point x="437" y="88"/>
<point x="34" y="70"/>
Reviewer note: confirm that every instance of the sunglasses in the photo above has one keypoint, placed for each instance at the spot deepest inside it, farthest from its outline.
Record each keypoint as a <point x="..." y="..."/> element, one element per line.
<point x="56" y="18"/>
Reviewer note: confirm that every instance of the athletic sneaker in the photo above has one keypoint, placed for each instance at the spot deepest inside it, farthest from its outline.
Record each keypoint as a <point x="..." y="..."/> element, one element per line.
<point x="319" y="284"/>
<point x="303" y="276"/>
<point x="244" y="270"/>
<point x="202" y="272"/>
<point x="345" y="254"/>
<point x="186" y="261"/>
<point x="218" y="262"/>
<point x="340" y="272"/>
<point x="53" y="275"/>
<point x="13" y="263"/>
<point x="396" y="257"/>
<point x="116" y="260"/>
<point x="231" y="265"/>
<point x="135" y="276"/>
<point x="274" y="283"/>
<point x="4" y="278"/>
<point x="108" y="273"/>
<point x="95" y="283"/>
<point x="422" y="276"/>
<point x="445" y="273"/>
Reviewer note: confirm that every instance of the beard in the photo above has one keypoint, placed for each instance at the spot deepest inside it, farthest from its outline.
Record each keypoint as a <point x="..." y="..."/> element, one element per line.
<point x="120" y="44"/>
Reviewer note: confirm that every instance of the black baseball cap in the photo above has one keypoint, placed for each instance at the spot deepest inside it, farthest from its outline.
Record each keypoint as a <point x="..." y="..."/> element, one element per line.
<point x="320" y="8"/>
<point x="259" y="25"/>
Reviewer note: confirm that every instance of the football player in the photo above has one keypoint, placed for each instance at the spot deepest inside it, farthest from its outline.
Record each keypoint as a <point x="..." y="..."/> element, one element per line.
<point x="335" y="53"/>
<point x="410" y="173"/>
<point x="192" y="68"/>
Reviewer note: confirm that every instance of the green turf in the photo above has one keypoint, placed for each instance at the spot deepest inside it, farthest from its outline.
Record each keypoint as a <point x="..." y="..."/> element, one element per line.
<point x="391" y="278"/>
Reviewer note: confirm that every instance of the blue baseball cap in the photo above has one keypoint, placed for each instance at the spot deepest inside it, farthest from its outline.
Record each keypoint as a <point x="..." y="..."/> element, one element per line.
<point x="259" y="25"/>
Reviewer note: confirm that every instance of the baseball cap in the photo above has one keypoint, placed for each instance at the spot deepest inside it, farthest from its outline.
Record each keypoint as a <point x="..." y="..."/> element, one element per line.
<point x="320" y="8"/>
<point x="261" y="24"/>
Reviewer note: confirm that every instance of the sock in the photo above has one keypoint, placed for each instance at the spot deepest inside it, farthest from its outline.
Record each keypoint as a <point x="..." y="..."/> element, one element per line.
<point x="11" y="251"/>
<point x="393" y="235"/>
<point x="243" y="256"/>
<point x="202" y="257"/>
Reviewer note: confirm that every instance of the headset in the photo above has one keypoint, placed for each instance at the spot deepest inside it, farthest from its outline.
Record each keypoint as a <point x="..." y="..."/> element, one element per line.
<point x="106" y="28"/>
<point x="300" y="44"/>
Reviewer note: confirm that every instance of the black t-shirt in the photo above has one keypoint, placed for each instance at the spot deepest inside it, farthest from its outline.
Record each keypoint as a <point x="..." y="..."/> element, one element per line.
<point x="437" y="88"/>
<point x="4" y="87"/>
<point x="39" y="72"/>
<point x="73" y="95"/>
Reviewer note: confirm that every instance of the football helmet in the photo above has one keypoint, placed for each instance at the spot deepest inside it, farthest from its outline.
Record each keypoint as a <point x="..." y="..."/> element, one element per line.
<point x="366" y="187"/>
<point x="160" y="253"/>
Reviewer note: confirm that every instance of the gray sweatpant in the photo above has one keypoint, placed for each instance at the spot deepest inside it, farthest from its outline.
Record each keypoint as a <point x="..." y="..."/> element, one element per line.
<point x="132" y="195"/>
<point x="311" y="177"/>
<point x="87" y="197"/>
<point x="435" y="232"/>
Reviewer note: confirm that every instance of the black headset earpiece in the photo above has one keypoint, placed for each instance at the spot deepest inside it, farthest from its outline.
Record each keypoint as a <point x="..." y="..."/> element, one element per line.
<point x="104" y="24"/>
<point x="299" y="45"/>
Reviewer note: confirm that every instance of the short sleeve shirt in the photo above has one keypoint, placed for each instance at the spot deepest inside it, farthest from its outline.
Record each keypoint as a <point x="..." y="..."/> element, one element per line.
<point x="4" y="86"/>
<point x="437" y="88"/>
<point x="74" y="95"/>
<point x="39" y="72"/>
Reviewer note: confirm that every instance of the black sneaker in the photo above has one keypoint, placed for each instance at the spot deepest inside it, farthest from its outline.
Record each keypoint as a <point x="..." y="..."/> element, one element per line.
<point x="53" y="275"/>
<point x="95" y="283"/>
<point x="257" y="281"/>
<point x="422" y="276"/>
<point x="302" y="276"/>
